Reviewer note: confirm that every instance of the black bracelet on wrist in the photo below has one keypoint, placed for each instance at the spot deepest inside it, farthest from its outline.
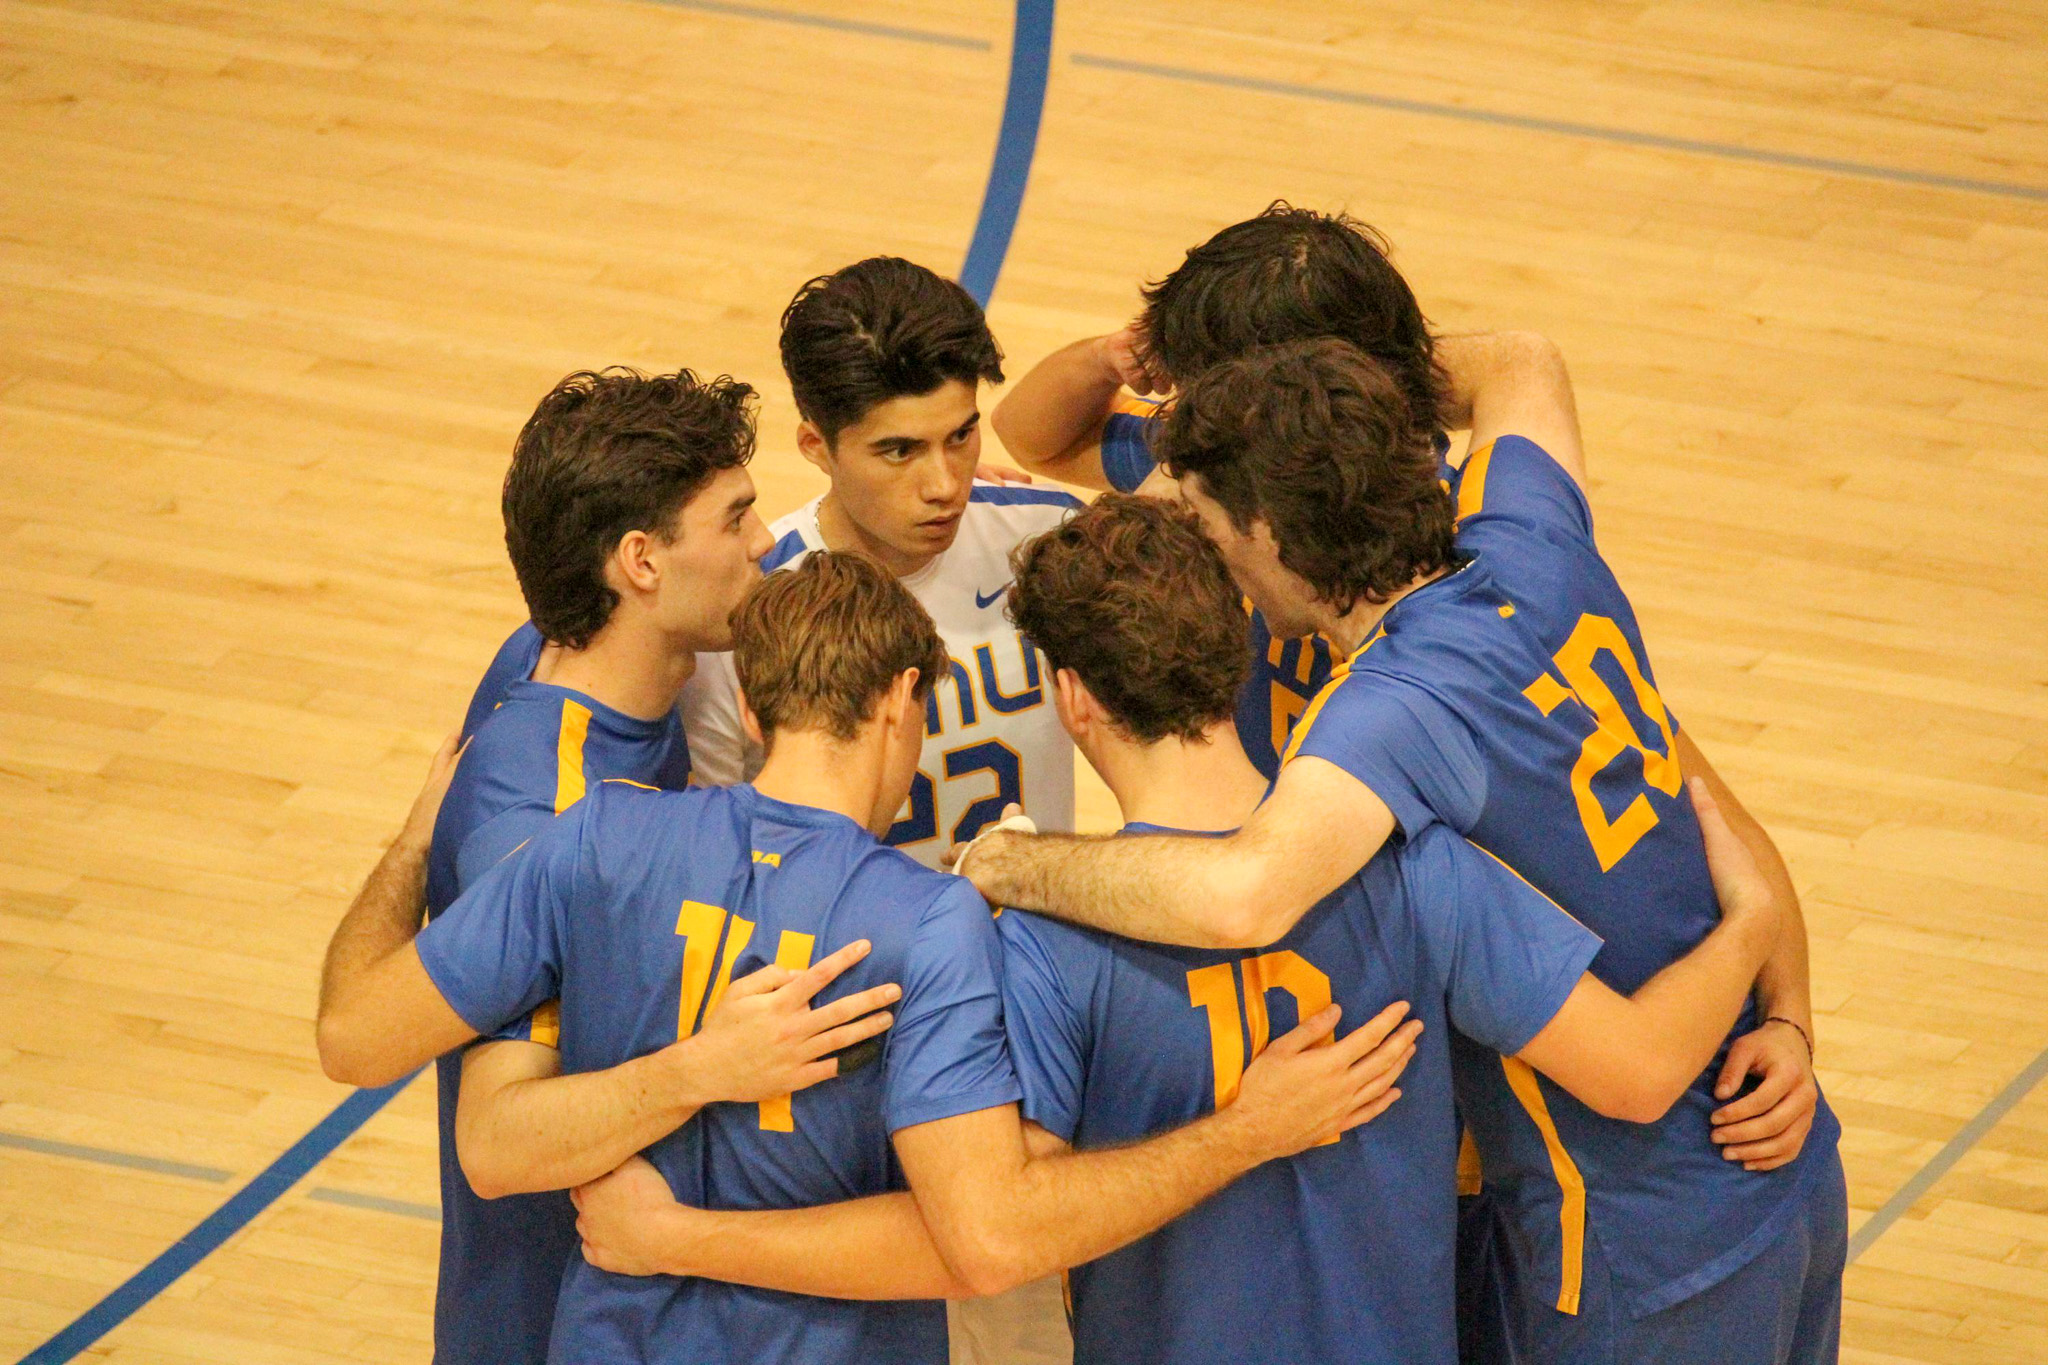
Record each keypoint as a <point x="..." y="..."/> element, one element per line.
<point x="1804" y="1036"/>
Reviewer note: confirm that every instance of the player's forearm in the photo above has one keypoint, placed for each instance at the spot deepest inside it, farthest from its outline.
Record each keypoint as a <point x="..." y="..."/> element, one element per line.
<point x="1196" y="893"/>
<point x="1051" y="420"/>
<point x="555" y="1132"/>
<point x="382" y="919"/>
<point x="874" y="1248"/>
<point x="1070" y="1207"/>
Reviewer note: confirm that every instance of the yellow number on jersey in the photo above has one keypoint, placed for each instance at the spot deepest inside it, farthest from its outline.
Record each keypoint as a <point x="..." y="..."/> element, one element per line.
<point x="700" y="926"/>
<point x="1613" y="734"/>
<point x="1214" y="990"/>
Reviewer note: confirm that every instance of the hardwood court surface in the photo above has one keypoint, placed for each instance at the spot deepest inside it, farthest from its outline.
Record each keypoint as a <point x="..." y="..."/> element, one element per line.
<point x="280" y="283"/>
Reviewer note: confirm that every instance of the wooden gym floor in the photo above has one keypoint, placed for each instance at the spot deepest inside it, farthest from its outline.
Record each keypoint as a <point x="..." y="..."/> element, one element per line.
<point x="281" y="281"/>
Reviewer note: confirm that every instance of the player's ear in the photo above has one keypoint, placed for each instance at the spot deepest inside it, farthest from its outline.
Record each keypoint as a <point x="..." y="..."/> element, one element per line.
<point x="634" y="563"/>
<point x="1072" y="702"/>
<point x="750" y="724"/>
<point x="902" y="704"/>
<point x="811" y="444"/>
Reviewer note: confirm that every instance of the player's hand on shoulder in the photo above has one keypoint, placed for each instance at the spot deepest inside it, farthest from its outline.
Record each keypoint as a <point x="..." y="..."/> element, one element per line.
<point x="1125" y="352"/>
<point x="1768" y="1127"/>
<point x="989" y="472"/>
<point x="622" y="1217"/>
<point x="426" y="807"/>
<point x="1309" y="1086"/>
<point x="766" y="1039"/>
<point x="957" y="859"/>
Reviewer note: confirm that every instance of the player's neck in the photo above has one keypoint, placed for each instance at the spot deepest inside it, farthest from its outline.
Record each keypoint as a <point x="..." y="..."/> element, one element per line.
<point x="810" y="768"/>
<point x="840" y="533"/>
<point x="630" y="666"/>
<point x="1205" y="784"/>
<point x="1351" y="629"/>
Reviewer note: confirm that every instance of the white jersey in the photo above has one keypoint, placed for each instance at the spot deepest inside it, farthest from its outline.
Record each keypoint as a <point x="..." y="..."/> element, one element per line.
<point x="991" y="736"/>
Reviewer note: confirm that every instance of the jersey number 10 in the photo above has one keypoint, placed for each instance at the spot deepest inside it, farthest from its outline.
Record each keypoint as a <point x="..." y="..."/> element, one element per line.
<point x="713" y="935"/>
<point x="1234" y="1013"/>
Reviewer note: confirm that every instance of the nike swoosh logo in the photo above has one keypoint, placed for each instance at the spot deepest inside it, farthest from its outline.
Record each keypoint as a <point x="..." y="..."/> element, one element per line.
<point x="985" y="601"/>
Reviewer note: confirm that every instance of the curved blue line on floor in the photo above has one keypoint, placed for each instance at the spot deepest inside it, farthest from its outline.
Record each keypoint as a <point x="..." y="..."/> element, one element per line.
<point x="1016" y="144"/>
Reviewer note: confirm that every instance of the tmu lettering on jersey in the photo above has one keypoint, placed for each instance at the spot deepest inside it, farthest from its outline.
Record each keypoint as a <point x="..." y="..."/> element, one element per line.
<point x="973" y="693"/>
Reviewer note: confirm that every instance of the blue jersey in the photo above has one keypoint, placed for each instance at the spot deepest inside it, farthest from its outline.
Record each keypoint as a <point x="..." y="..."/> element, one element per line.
<point x="1343" y="1252"/>
<point x="1513" y="701"/>
<point x="536" y="749"/>
<point x="514" y="662"/>
<point x="1286" y="674"/>
<point x="636" y="909"/>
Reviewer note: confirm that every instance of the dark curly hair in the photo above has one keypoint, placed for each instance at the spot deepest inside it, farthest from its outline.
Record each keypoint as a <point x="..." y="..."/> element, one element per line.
<point x="1315" y="439"/>
<point x="881" y="328"/>
<point x="1295" y="275"/>
<point x="605" y="453"/>
<point x="1136" y="600"/>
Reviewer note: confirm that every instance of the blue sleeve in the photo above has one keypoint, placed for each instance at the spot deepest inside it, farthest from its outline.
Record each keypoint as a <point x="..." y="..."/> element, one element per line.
<point x="945" y="1055"/>
<point x="513" y="663"/>
<point x="1515" y="480"/>
<point x="1126" y="456"/>
<point x="1048" y="1033"/>
<point x="1509" y="954"/>
<point x="497" y="952"/>
<point x="497" y="839"/>
<point x="1411" y="750"/>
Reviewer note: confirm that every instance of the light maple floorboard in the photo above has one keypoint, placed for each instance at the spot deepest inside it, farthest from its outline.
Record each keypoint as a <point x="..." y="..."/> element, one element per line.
<point x="281" y="282"/>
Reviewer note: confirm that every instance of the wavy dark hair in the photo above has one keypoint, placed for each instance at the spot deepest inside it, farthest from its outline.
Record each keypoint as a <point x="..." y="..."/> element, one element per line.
<point x="1137" y="601"/>
<point x="608" y="452"/>
<point x="881" y="328"/>
<point x="1315" y="439"/>
<point x="1294" y="274"/>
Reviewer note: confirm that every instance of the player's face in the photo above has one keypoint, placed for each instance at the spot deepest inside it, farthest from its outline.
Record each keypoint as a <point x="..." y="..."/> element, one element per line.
<point x="902" y="474"/>
<point x="713" y="561"/>
<point x="1282" y="596"/>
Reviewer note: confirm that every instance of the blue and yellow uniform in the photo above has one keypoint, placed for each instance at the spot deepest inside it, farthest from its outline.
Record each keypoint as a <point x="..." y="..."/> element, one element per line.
<point x="1286" y="674"/>
<point x="1513" y="701"/>
<point x="535" y="751"/>
<point x="1342" y="1252"/>
<point x="636" y="909"/>
<point x="514" y="662"/>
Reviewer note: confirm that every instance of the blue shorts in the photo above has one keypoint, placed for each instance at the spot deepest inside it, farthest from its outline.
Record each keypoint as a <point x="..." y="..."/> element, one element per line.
<point x="1782" y="1308"/>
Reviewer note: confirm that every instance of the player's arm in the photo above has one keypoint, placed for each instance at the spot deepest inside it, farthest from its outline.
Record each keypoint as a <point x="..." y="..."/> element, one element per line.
<point x="1631" y="1057"/>
<point x="1767" y="1127"/>
<point x="386" y="912"/>
<point x="1513" y="384"/>
<point x="1051" y="421"/>
<point x="1002" y="1214"/>
<point x="1319" y="826"/>
<point x="522" y="1126"/>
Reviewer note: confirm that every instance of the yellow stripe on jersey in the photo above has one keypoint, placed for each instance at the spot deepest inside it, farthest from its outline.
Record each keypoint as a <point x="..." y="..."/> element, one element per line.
<point x="1571" y="1207"/>
<point x="1472" y="482"/>
<point x="792" y="952"/>
<point x="569" y="755"/>
<point x="547" y="1025"/>
<point x="1128" y="404"/>
<point x="1337" y="675"/>
<point x="1471" y="1172"/>
<point x="629" y="782"/>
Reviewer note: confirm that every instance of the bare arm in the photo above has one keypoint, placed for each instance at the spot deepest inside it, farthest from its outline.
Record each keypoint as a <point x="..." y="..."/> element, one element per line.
<point x="1002" y="1216"/>
<point x="1051" y="420"/>
<point x="1514" y="384"/>
<point x="1318" y="827"/>
<point x="521" y="1126"/>
<point x="1632" y="1057"/>
<point x="874" y="1248"/>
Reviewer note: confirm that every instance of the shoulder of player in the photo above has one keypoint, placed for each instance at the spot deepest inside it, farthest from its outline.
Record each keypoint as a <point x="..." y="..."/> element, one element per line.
<point x="789" y="532"/>
<point x="1027" y="503"/>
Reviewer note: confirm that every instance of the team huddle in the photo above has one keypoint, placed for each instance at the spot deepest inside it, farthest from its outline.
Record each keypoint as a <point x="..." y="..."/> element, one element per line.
<point x="1435" y="1002"/>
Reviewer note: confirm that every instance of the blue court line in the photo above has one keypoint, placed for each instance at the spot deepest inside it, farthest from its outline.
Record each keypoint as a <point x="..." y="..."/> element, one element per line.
<point x="223" y="1223"/>
<point x="833" y="22"/>
<point x="1627" y="137"/>
<point x="1944" y="1160"/>
<point x="1016" y="145"/>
